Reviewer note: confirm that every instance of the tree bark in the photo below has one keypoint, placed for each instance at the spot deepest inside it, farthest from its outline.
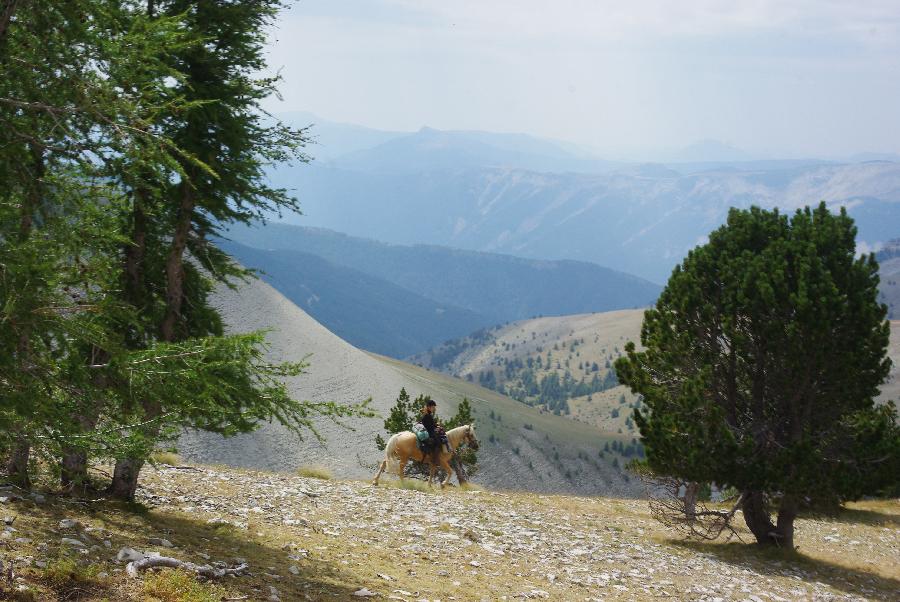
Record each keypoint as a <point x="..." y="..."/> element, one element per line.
<point x="756" y="515"/>
<point x="784" y="530"/>
<point x="125" y="479"/>
<point x="17" y="465"/>
<point x="74" y="468"/>
<point x="7" y="9"/>
<point x="74" y="472"/>
<point x="135" y="252"/>
<point x="460" y="470"/>
<point x="175" y="264"/>
<point x="691" y="492"/>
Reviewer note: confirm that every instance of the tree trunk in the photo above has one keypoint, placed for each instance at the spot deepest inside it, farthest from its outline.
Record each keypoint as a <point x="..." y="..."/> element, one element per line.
<point x="460" y="470"/>
<point x="756" y="515"/>
<point x="175" y="264"/>
<point x="7" y="9"/>
<point x="17" y="465"/>
<point x="125" y="479"/>
<point x="784" y="530"/>
<point x="74" y="468"/>
<point x="691" y="492"/>
<point x="135" y="252"/>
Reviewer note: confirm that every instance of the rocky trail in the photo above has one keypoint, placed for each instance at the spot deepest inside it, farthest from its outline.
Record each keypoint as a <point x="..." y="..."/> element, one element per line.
<point x="311" y="539"/>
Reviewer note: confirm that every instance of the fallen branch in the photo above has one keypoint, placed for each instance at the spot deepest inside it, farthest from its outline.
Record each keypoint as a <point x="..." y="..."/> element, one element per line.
<point x="134" y="568"/>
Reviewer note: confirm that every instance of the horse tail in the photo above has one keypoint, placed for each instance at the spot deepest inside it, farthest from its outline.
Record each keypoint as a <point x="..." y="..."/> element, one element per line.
<point x="391" y="455"/>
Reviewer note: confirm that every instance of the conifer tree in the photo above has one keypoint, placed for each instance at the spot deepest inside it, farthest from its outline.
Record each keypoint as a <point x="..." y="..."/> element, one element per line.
<point x="762" y="358"/>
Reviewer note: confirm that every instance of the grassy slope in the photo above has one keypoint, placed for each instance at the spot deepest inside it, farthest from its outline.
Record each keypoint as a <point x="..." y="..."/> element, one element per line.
<point x="340" y="537"/>
<point x="604" y="335"/>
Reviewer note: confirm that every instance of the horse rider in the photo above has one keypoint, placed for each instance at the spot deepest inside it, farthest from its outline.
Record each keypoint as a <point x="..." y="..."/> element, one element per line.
<point x="436" y="433"/>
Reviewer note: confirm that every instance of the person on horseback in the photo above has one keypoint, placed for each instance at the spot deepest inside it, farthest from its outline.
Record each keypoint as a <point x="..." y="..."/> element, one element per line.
<point x="436" y="434"/>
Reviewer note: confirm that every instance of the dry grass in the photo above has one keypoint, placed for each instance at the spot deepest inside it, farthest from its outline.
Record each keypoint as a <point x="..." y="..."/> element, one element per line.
<point x="315" y="472"/>
<point x="166" y="458"/>
<point x="178" y="586"/>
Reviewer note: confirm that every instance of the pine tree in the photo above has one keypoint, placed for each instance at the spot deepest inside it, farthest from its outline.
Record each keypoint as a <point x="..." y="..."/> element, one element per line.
<point x="762" y="357"/>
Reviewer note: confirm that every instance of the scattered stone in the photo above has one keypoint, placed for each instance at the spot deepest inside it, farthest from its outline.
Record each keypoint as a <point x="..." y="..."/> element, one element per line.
<point x="129" y="555"/>
<point x="157" y="541"/>
<point x="68" y="523"/>
<point x="75" y="543"/>
<point x="364" y="593"/>
<point x="293" y="570"/>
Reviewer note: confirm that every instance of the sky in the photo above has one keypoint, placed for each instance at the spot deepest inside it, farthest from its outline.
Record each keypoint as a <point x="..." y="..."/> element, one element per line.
<point x="628" y="79"/>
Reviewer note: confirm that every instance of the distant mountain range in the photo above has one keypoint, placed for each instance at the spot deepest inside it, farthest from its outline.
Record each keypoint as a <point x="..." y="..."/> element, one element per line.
<point x="400" y="300"/>
<point x="535" y="198"/>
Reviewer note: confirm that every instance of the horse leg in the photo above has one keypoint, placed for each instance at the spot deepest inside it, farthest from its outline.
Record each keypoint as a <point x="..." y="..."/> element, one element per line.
<point x="381" y="470"/>
<point x="402" y="470"/>
<point x="431" y="470"/>
<point x="445" y="464"/>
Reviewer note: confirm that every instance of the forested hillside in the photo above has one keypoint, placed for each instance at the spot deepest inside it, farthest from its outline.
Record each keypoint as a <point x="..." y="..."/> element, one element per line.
<point x="560" y="364"/>
<point x="565" y="365"/>
<point x="889" y="262"/>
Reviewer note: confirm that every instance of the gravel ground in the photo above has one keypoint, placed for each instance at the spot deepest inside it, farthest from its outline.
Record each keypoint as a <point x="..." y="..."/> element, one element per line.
<point x="478" y="545"/>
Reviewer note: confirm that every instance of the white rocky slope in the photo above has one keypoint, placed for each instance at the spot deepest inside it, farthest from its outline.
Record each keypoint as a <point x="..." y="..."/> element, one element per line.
<point x="549" y="454"/>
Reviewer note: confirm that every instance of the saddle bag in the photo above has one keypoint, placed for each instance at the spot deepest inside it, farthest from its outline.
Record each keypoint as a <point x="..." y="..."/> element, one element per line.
<point x="420" y="432"/>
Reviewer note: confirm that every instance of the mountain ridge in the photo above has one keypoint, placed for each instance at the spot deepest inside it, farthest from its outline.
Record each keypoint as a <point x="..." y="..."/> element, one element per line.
<point x="503" y="287"/>
<point x="640" y="224"/>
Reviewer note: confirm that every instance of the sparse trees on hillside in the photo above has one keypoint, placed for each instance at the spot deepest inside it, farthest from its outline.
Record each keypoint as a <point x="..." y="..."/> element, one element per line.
<point x="762" y="358"/>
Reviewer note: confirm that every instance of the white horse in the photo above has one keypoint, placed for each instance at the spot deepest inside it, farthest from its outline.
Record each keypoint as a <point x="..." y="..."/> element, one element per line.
<point x="402" y="447"/>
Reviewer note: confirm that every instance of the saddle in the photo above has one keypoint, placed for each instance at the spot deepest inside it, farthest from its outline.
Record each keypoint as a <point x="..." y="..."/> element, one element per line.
<point x="431" y="445"/>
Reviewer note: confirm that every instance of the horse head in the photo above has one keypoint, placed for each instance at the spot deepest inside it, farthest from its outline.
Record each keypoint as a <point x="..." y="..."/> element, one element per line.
<point x="471" y="440"/>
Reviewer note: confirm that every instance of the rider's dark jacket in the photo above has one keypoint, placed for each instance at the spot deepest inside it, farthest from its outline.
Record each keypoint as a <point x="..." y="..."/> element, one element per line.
<point x="429" y="424"/>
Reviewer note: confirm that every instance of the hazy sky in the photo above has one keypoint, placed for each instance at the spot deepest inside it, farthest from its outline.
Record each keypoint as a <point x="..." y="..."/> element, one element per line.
<point x="774" y="77"/>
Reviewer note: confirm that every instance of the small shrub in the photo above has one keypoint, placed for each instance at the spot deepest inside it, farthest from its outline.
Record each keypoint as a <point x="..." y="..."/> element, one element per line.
<point x="315" y="472"/>
<point x="179" y="586"/>
<point x="65" y="572"/>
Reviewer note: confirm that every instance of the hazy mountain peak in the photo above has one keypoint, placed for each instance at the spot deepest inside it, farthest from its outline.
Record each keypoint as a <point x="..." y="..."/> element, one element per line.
<point x="709" y="150"/>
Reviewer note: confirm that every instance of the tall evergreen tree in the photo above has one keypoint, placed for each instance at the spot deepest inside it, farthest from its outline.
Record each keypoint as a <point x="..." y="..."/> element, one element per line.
<point x="762" y="357"/>
<point x="113" y="183"/>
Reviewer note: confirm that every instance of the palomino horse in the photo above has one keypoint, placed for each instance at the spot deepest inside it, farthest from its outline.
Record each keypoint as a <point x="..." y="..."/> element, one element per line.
<point x="401" y="448"/>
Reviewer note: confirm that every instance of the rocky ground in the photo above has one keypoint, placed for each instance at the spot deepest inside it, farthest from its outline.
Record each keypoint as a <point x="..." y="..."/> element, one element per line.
<point x="311" y="539"/>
